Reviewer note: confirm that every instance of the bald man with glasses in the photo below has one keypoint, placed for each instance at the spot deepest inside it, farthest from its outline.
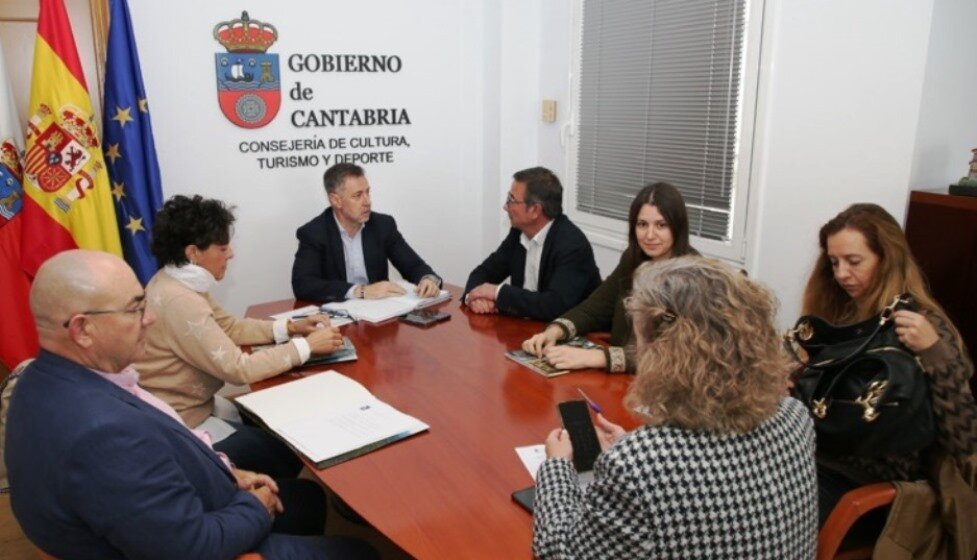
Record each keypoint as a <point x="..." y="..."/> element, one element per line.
<point x="98" y="467"/>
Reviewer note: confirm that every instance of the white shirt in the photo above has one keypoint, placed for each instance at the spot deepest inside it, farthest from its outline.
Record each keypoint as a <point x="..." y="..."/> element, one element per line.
<point x="353" y="253"/>
<point x="534" y="255"/>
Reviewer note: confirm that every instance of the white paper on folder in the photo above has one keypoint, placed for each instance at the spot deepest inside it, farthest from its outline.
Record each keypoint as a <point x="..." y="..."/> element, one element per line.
<point x="377" y="310"/>
<point x="283" y="404"/>
<point x="328" y="414"/>
<point x="348" y="430"/>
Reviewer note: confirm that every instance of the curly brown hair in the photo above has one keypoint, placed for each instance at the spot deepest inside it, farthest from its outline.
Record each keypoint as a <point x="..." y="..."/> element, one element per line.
<point x="708" y="353"/>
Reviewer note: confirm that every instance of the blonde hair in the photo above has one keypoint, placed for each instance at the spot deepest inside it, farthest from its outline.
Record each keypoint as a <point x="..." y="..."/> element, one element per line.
<point x="897" y="271"/>
<point x="708" y="354"/>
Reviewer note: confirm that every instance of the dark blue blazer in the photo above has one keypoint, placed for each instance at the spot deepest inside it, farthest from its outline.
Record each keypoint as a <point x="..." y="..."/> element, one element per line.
<point x="567" y="273"/>
<point x="97" y="473"/>
<point x="319" y="271"/>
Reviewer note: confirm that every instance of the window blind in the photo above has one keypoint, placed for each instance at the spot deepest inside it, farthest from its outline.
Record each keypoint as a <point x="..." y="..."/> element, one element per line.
<point x="659" y="101"/>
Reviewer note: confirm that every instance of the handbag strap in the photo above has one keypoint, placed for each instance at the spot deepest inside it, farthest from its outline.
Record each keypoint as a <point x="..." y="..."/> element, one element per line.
<point x="790" y="337"/>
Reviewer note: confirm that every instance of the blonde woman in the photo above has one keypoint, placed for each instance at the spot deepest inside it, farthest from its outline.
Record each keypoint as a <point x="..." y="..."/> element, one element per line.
<point x="724" y="465"/>
<point x="864" y="263"/>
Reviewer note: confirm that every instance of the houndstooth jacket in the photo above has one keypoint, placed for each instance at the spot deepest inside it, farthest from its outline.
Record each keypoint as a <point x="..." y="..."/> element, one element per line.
<point x="666" y="492"/>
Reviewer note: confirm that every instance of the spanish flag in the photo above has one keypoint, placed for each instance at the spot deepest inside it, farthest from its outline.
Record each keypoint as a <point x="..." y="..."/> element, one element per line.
<point x="67" y="202"/>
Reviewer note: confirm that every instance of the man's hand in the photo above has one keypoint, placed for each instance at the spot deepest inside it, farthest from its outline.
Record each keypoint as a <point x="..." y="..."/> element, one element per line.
<point x="427" y="287"/>
<point x="247" y="480"/>
<point x="309" y="324"/>
<point x="261" y="486"/>
<point x="324" y="341"/>
<point x="558" y="445"/>
<point x="268" y="499"/>
<point x="482" y="306"/>
<point x="484" y="291"/>
<point x="383" y="289"/>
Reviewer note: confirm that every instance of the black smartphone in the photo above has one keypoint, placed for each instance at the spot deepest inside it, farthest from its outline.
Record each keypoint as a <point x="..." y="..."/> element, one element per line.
<point x="424" y="318"/>
<point x="525" y="498"/>
<point x="583" y="436"/>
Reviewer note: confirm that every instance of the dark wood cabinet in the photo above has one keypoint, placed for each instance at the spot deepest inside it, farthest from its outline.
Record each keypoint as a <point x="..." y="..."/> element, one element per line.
<point x="942" y="232"/>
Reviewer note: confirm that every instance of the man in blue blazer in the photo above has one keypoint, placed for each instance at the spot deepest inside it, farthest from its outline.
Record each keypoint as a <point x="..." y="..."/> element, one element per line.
<point x="98" y="471"/>
<point x="343" y="252"/>
<point x="548" y="260"/>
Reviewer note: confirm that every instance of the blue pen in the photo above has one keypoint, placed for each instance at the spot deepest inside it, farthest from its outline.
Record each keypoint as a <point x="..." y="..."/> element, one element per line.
<point x="593" y="406"/>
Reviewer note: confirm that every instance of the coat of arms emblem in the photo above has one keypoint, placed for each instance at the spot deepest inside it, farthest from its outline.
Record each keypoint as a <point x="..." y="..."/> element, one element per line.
<point x="11" y="193"/>
<point x="248" y="79"/>
<point x="59" y="158"/>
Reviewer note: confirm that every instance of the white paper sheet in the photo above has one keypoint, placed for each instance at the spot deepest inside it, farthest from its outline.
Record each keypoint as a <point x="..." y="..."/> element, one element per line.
<point x="532" y="457"/>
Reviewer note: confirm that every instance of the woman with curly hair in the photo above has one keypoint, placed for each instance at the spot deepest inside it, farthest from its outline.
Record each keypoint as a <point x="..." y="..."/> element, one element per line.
<point x="723" y="466"/>
<point x="194" y="347"/>
<point x="658" y="229"/>
<point x="864" y="263"/>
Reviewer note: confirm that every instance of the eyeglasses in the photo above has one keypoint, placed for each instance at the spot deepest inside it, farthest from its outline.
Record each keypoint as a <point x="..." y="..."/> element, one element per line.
<point x="510" y="200"/>
<point x="141" y="310"/>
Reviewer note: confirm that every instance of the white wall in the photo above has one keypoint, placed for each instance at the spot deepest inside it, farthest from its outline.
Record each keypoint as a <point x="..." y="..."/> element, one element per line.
<point x="433" y="188"/>
<point x="839" y="102"/>
<point x="18" y="31"/>
<point x="948" y="117"/>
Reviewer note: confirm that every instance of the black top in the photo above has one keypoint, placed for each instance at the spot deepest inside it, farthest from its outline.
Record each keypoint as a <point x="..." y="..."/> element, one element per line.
<point x="319" y="271"/>
<point x="567" y="273"/>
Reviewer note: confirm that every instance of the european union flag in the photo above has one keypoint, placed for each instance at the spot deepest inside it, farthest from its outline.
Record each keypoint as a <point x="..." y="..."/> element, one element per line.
<point x="128" y="144"/>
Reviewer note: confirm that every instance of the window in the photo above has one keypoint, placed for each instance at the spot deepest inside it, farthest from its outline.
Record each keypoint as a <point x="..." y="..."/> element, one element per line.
<point x="660" y="97"/>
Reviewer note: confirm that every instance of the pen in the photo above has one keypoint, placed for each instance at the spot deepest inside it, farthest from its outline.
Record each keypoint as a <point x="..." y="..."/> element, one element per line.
<point x="337" y="313"/>
<point x="306" y="316"/>
<point x="593" y="406"/>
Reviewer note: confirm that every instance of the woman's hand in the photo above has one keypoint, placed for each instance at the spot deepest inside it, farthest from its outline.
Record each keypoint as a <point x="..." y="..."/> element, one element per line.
<point x="308" y="324"/>
<point x="608" y="432"/>
<point x="571" y="357"/>
<point x="915" y="330"/>
<point x="558" y="445"/>
<point x="542" y="341"/>
<point x="324" y="341"/>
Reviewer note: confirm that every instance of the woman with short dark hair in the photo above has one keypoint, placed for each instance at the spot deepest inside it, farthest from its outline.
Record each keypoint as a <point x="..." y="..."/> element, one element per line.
<point x="194" y="347"/>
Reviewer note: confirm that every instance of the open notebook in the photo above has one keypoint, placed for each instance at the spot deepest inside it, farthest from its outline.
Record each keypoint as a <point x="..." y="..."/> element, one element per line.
<point x="378" y="310"/>
<point x="329" y="417"/>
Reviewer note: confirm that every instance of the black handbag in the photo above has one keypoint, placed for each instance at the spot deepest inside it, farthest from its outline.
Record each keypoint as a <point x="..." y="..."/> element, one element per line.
<point x="867" y="393"/>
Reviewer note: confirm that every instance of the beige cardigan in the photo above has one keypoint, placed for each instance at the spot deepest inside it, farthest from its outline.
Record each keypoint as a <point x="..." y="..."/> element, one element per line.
<point x="193" y="348"/>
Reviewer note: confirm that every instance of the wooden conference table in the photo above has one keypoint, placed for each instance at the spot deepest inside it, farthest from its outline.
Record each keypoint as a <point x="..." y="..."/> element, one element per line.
<point x="445" y="493"/>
